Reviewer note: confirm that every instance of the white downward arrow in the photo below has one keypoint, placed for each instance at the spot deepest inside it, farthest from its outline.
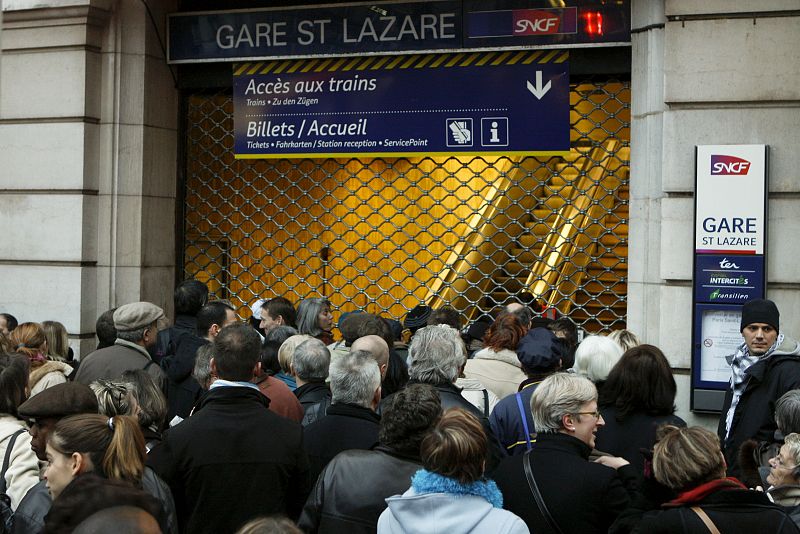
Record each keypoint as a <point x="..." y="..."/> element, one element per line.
<point x="538" y="90"/>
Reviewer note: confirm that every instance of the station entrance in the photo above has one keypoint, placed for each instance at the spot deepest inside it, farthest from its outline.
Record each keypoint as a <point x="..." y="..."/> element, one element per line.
<point x="384" y="235"/>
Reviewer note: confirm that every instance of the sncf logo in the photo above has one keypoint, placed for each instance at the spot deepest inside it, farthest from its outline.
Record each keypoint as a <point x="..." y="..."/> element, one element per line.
<point x="535" y="22"/>
<point x="730" y="165"/>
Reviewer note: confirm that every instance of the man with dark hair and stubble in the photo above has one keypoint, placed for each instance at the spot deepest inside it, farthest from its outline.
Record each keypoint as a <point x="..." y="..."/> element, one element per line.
<point x="764" y="367"/>
<point x="233" y="460"/>
<point x="189" y="297"/>
<point x="278" y="311"/>
<point x="182" y="390"/>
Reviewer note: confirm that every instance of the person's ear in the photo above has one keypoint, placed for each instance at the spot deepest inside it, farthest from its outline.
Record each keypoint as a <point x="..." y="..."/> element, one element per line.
<point x="376" y="398"/>
<point x="257" y="370"/>
<point x="280" y="320"/>
<point x="78" y="464"/>
<point x="212" y="364"/>
<point x="568" y="422"/>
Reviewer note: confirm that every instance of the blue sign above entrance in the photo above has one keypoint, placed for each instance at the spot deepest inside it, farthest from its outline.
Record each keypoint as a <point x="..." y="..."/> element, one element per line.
<point x="434" y="104"/>
<point x="728" y="279"/>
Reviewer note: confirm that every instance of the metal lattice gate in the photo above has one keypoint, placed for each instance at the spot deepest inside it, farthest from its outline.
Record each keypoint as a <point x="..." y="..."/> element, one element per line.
<point x="384" y="235"/>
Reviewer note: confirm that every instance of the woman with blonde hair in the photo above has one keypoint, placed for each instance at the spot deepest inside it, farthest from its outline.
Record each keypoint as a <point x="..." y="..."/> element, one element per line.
<point x="286" y="356"/>
<point x="57" y="341"/>
<point x="29" y="339"/>
<point x="451" y="494"/>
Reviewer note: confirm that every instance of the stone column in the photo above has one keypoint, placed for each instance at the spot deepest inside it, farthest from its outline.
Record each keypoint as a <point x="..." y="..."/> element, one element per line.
<point x="88" y="122"/>
<point x="715" y="72"/>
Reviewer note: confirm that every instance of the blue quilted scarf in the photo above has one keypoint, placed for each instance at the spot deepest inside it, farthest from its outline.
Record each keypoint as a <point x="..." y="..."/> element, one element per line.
<point x="427" y="482"/>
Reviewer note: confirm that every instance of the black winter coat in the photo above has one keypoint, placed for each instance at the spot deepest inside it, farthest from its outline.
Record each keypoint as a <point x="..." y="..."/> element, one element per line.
<point x="231" y="461"/>
<point x="183" y="391"/>
<point x="732" y="511"/>
<point x="315" y="399"/>
<point x="350" y="494"/>
<point x="345" y="427"/>
<point x="754" y="417"/>
<point x="626" y="438"/>
<point x="583" y="497"/>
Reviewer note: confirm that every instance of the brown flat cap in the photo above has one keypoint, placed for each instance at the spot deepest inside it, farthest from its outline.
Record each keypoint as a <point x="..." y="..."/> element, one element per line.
<point x="136" y="315"/>
<point x="69" y="398"/>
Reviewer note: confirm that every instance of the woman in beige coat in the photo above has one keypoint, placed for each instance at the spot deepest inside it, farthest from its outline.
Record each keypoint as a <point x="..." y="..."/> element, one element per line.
<point x="497" y="366"/>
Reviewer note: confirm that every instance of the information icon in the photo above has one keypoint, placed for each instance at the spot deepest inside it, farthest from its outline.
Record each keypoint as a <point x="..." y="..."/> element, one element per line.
<point x="494" y="131"/>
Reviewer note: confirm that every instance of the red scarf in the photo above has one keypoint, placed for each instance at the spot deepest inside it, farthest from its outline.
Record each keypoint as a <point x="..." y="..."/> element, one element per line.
<point x="702" y="491"/>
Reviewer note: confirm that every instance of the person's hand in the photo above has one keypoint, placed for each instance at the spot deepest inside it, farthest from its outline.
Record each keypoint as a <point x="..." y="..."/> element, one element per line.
<point x="614" y="462"/>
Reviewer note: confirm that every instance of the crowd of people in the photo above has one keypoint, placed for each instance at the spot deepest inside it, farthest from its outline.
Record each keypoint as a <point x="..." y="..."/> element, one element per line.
<point x="509" y="424"/>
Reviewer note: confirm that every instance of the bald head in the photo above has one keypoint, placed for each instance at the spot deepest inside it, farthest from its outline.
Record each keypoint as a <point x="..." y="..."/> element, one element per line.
<point x="121" y="520"/>
<point x="377" y="347"/>
<point x="514" y="307"/>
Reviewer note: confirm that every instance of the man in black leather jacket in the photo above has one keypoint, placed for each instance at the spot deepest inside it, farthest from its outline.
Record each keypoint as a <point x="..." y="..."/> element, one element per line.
<point x="350" y="494"/>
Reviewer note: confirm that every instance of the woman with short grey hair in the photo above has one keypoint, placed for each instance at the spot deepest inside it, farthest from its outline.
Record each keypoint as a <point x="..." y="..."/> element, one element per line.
<point x="543" y="485"/>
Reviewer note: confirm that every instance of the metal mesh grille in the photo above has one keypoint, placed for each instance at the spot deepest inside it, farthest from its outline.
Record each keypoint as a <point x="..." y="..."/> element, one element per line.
<point x="387" y="234"/>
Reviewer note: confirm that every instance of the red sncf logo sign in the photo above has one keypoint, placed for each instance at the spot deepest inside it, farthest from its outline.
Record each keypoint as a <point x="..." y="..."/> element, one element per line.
<point x="535" y="22"/>
<point x="730" y="165"/>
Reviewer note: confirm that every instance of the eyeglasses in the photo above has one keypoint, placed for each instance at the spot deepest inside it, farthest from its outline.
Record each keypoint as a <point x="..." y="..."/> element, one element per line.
<point x="779" y="461"/>
<point x="594" y="414"/>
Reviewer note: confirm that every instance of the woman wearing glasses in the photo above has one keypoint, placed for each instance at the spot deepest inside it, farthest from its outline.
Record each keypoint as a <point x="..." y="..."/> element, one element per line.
<point x="554" y="487"/>
<point x="784" y="477"/>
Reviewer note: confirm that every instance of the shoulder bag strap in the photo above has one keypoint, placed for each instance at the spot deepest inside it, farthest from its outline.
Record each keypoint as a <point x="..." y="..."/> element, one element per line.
<point x="705" y="519"/>
<point x="528" y="444"/>
<point x="526" y="461"/>
<point x="485" y="403"/>
<point x="7" y="457"/>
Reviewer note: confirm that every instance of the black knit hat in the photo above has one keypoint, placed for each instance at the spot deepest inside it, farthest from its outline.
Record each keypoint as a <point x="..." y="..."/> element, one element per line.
<point x="760" y="311"/>
<point x="417" y="317"/>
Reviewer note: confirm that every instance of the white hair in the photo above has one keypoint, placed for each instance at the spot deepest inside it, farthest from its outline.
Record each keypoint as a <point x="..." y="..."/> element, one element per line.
<point x="596" y="356"/>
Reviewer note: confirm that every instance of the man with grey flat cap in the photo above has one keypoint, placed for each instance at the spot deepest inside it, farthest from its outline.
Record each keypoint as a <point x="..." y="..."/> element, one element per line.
<point x="137" y="331"/>
<point x="764" y="367"/>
